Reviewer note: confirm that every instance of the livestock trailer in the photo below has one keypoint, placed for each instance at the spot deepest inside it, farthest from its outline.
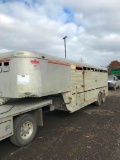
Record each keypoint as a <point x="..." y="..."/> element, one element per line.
<point x="29" y="81"/>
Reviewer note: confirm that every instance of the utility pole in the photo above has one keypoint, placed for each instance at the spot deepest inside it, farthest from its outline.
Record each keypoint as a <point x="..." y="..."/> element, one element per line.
<point x="65" y="44"/>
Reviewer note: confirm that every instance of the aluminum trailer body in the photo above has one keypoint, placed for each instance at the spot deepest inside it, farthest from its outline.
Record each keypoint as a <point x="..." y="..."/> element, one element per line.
<point x="29" y="74"/>
<point x="68" y="84"/>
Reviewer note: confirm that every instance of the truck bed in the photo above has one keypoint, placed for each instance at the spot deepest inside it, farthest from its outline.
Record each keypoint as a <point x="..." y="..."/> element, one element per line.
<point x="19" y="106"/>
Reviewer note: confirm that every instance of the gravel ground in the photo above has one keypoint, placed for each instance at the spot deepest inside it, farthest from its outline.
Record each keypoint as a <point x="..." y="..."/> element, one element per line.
<point x="92" y="133"/>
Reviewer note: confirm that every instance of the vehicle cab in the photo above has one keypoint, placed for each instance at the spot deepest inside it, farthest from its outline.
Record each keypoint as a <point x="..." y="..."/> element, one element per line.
<point x="113" y="82"/>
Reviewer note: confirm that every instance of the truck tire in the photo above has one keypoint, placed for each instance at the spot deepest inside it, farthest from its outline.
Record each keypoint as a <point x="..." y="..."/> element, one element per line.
<point x="25" y="129"/>
<point x="114" y="88"/>
<point x="99" y="100"/>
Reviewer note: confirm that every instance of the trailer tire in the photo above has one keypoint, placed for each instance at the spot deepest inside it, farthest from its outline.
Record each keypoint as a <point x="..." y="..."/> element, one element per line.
<point x="103" y="97"/>
<point x="25" y="129"/>
<point x="99" y="100"/>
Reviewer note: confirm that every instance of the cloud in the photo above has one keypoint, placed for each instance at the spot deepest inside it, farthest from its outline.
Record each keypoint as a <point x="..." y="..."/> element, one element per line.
<point x="91" y="27"/>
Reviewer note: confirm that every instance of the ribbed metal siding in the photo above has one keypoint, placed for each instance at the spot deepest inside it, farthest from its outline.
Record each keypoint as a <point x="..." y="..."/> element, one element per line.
<point x="76" y="81"/>
<point x="85" y="86"/>
<point x="93" y="80"/>
<point x="77" y="87"/>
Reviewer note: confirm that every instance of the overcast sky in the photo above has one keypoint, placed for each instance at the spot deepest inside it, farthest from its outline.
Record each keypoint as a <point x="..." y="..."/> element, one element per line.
<point x="92" y="28"/>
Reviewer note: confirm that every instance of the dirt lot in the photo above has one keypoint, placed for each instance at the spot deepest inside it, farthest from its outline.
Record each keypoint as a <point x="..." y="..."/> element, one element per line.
<point x="92" y="133"/>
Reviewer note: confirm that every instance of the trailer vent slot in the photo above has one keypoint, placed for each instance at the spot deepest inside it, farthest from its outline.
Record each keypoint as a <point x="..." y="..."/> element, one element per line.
<point x="92" y="69"/>
<point x="84" y="68"/>
<point x="6" y="67"/>
<point x="79" y="68"/>
<point x="6" y="63"/>
<point x="0" y="67"/>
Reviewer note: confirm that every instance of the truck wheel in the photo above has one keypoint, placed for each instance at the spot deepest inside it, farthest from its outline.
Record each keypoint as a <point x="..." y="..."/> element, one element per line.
<point x="99" y="100"/>
<point x="103" y="97"/>
<point x="25" y="129"/>
<point x="114" y="88"/>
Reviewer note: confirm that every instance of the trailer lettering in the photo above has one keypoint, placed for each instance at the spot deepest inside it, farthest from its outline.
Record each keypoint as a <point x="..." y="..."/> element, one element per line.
<point x="34" y="61"/>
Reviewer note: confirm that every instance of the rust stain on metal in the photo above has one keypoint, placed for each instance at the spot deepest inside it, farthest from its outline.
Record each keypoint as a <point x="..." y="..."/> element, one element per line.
<point x="59" y="63"/>
<point x="5" y="59"/>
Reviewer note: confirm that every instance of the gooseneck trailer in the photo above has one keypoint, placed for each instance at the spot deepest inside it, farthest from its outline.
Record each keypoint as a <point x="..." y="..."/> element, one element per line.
<point x="30" y="81"/>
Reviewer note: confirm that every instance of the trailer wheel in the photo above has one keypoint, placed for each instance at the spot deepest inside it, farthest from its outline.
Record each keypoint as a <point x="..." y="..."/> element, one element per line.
<point x="99" y="100"/>
<point x="25" y="129"/>
<point x="103" y="97"/>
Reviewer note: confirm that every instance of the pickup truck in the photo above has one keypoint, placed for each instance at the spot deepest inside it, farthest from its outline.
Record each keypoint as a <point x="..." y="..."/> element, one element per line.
<point x="113" y="82"/>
